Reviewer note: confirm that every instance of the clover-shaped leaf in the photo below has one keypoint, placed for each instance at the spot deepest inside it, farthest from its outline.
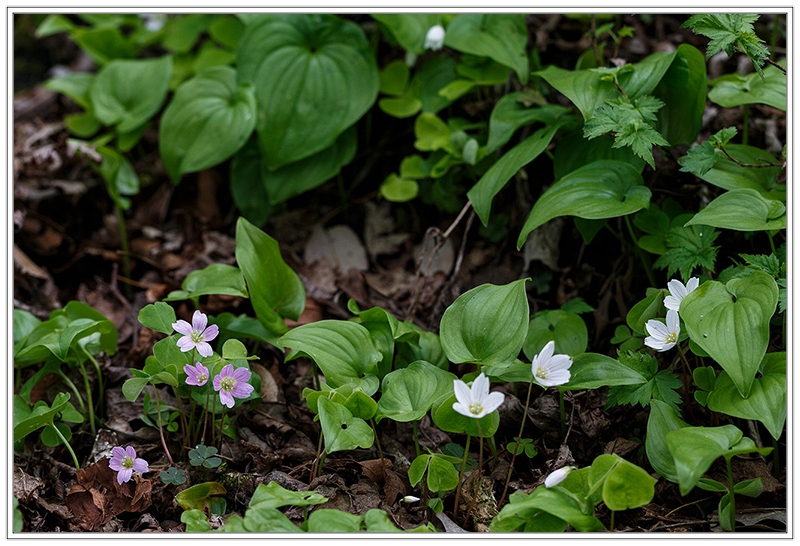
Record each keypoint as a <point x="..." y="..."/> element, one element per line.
<point x="204" y="456"/>
<point x="173" y="475"/>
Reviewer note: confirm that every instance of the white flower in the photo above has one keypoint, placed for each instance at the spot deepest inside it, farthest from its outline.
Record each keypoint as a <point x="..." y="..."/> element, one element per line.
<point x="677" y="291"/>
<point x="409" y="499"/>
<point x="435" y="38"/>
<point x="153" y="21"/>
<point x="550" y="370"/>
<point x="476" y="401"/>
<point x="663" y="338"/>
<point x="555" y="478"/>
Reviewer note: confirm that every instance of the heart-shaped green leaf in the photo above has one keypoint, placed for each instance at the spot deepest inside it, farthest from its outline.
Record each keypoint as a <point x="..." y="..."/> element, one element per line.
<point x="200" y="496"/>
<point x="329" y="79"/>
<point x="327" y="520"/>
<point x="410" y="392"/>
<point x="731" y="323"/>
<point x="442" y="475"/>
<point x="207" y="121"/>
<point x="41" y="415"/>
<point x="486" y="325"/>
<point x="126" y="93"/>
<point x="501" y="37"/>
<point x="627" y="485"/>
<point x="275" y="290"/>
<point x="409" y="29"/>
<point x="742" y="209"/>
<point x="344" y="351"/>
<point x="591" y="371"/>
<point x="220" y="279"/>
<point x="522" y="513"/>
<point x="340" y="429"/>
<point x="603" y="189"/>
<point x="767" y="399"/>
<point x="158" y="316"/>
<point x="566" y="329"/>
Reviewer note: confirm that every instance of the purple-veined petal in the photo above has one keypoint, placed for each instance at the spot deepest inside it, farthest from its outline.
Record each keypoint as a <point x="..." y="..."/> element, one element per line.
<point x="242" y="390"/>
<point x="493" y="401"/>
<point x="199" y="321"/>
<point x="118" y="453"/>
<point x="115" y="464"/>
<point x="124" y="475"/>
<point x="226" y="398"/>
<point x="191" y="371"/>
<point x="140" y="465"/>
<point x="204" y="349"/>
<point x="182" y="327"/>
<point x="185" y="344"/>
<point x="241" y="374"/>
<point x="217" y="382"/>
<point x="462" y="409"/>
<point x="463" y="394"/>
<point x="211" y="332"/>
<point x="130" y="452"/>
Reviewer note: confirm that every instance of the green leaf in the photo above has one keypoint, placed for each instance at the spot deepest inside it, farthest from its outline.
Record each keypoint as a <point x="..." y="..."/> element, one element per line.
<point x="408" y="393"/>
<point x="343" y="350"/>
<point x="750" y="488"/>
<point x="104" y="45"/>
<point x="663" y="420"/>
<point x="442" y="475"/>
<point x="700" y="159"/>
<point x="272" y="495"/>
<point x="41" y="415"/>
<point x="196" y="521"/>
<point x="566" y="329"/>
<point x="731" y="323"/>
<point x="660" y="385"/>
<point x="742" y="209"/>
<point x="341" y="430"/>
<point x="76" y="86"/>
<point x="53" y="24"/>
<point x="133" y="387"/>
<point x="398" y="190"/>
<point x="325" y="520"/>
<point x="627" y="485"/>
<point x="735" y="90"/>
<point x="729" y="32"/>
<point x="213" y="279"/>
<point x="574" y="151"/>
<point x="329" y="79"/>
<point x="603" y="189"/>
<point x="57" y="336"/>
<point x="158" y="316"/>
<point x="432" y="76"/>
<point x="226" y="30"/>
<point x="200" y="496"/>
<point x="591" y="371"/>
<point x="767" y="399"/>
<point x="409" y="29"/>
<point x="181" y="33"/>
<point x="683" y="92"/>
<point x="694" y="449"/>
<point x="208" y="120"/>
<point x="729" y="176"/>
<point x="377" y="521"/>
<point x="449" y="420"/>
<point x="486" y="325"/>
<point x="127" y="93"/>
<point x="500" y="173"/>
<point x="275" y="290"/>
<point x="501" y="37"/>
<point x="523" y="513"/>
<point x="649" y="308"/>
<point x="687" y="249"/>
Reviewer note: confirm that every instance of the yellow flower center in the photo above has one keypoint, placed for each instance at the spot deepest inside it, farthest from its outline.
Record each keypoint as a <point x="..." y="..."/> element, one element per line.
<point x="196" y="337"/>
<point x="541" y="374"/>
<point x="127" y="462"/>
<point x="227" y="384"/>
<point x="475" y="408"/>
<point x="671" y="338"/>
<point x="201" y="377"/>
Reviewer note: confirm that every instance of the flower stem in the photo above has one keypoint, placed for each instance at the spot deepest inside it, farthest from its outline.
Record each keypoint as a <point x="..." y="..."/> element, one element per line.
<point x="516" y="446"/>
<point x="611" y="528"/>
<point x="460" y="477"/>
<point x="416" y="437"/>
<point x="88" y="398"/>
<point x="100" y="391"/>
<point x="66" y="443"/>
<point x="221" y="426"/>
<point x="205" y="411"/>
<point x="74" y="389"/>
<point x="160" y="428"/>
<point x="733" y="499"/>
<point x="480" y="465"/>
<point x="649" y="272"/>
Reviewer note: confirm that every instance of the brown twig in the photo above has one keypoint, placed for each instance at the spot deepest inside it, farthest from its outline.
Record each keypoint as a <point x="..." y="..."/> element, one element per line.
<point x="776" y="65"/>
<point x="767" y="164"/>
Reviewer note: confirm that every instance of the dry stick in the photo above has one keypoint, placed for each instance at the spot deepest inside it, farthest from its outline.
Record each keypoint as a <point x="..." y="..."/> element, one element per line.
<point x="776" y="65"/>
<point x="516" y="447"/>
<point x="478" y="485"/>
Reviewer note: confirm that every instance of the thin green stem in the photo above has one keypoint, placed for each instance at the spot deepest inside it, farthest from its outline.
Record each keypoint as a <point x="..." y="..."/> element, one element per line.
<point x="74" y="389"/>
<point x="160" y="427"/>
<point x="776" y="458"/>
<point x="205" y="411"/>
<point x="192" y="432"/>
<point x="563" y="414"/>
<point x="100" y="391"/>
<point x="184" y="422"/>
<point x="733" y="499"/>
<point x="416" y="437"/>
<point x="221" y="426"/>
<point x="745" y="124"/>
<point x="316" y="459"/>
<point x="88" y="398"/>
<point x="123" y="241"/>
<point x="648" y="271"/>
<point x="461" y="477"/>
<point x="380" y="451"/>
<point x="66" y="443"/>
<point x="776" y="25"/>
<point x="612" y="520"/>
<point x="321" y="462"/>
<point x="772" y="243"/>
<point x="516" y="446"/>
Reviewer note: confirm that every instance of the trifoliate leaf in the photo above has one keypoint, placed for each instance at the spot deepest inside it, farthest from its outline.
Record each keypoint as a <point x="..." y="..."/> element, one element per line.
<point x="688" y="248"/>
<point x="730" y="31"/>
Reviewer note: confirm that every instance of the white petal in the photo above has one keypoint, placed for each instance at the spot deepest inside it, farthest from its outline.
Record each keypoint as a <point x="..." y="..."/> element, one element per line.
<point x="693" y="283"/>
<point x="493" y="401"/>
<point x="462" y="409"/>
<point x="463" y="394"/>
<point x="547" y="351"/>
<point x="654" y="343"/>
<point x="558" y="377"/>
<point x="199" y="321"/>
<point x="480" y="387"/>
<point x="560" y="362"/>
<point x="657" y="328"/>
<point x="667" y="346"/>
<point x="672" y="303"/>
<point x="673" y="322"/>
<point x="676" y="289"/>
<point x="556" y="477"/>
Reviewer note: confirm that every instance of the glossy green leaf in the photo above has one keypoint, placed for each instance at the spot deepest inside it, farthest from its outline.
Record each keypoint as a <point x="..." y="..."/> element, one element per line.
<point x="199" y="497"/>
<point x="591" y="371"/>
<point x="104" y="45"/>
<point x="247" y="327"/>
<point x="509" y="114"/>
<point x="727" y="175"/>
<point x="196" y="521"/>
<point x="326" y="520"/>
<point x="127" y="93"/>
<point x="767" y="399"/>
<point x="399" y="190"/>
<point x="734" y="90"/>
<point x="208" y="120"/>
<point x="603" y="189"/>
<point x="76" y="86"/>
<point x="272" y="495"/>
<point x="408" y="393"/>
<point x="442" y="475"/>
<point x="742" y="209"/>
<point x="344" y="351"/>
<point x="167" y="352"/>
<point x="341" y="430"/>
<point x="486" y="325"/>
<point x="694" y="449"/>
<point x="649" y="308"/>
<point x="56" y="336"/>
<point x="409" y="29"/>
<point x="108" y="333"/>
<point x="220" y="279"/>
<point x="329" y="79"/>
<point x="500" y="173"/>
<point x="566" y="329"/>
<point x="449" y="420"/>
<point x="51" y="438"/>
<point x="275" y="290"/>
<point x="683" y="92"/>
<point x="41" y="415"/>
<point x="133" y="387"/>
<point x="731" y="323"/>
<point x="663" y="420"/>
<point x="750" y="488"/>
<point x="158" y="316"/>
<point x="501" y="37"/>
<point x="520" y="514"/>
<point x="361" y="405"/>
<point x="24" y="323"/>
<point x="627" y="486"/>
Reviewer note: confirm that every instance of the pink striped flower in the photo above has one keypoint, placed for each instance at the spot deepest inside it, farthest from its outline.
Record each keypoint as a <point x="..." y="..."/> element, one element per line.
<point x="196" y="375"/>
<point x="196" y="335"/>
<point x="232" y="383"/>
<point x="125" y="462"/>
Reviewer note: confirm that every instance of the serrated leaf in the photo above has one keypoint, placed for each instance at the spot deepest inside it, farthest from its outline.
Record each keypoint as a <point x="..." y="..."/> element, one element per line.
<point x="700" y="159"/>
<point x="729" y="31"/>
<point x="688" y="248"/>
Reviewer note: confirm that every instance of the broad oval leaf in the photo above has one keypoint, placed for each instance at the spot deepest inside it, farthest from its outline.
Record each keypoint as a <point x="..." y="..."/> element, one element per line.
<point x="272" y="495"/>
<point x="315" y="76"/>
<point x="501" y="37"/>
<point x="603" y="189"/>
<point x="341" y="430"/>
<point x="408" y="393"/>
<point x="566" y="329"/>
<point x="727" y="175"/>
<point x="409" y="29"/>
<point x="126" y="93"/>
<point x="731" y="323"/>
<point x="742" y="209"/>
<point x="683" y="92"/>
<point x="328" y="520"/>
<point x="735" y="90"/>
<point x="486" y="325"/>
<point x="344" y="351"/>
<point x="523" y="511"/>
<point x="591" y="371"/>
<point x="207" y="121"/>
<point x="222" y="279"/>
<point x="627" y="486"/>
<point x="275" y="290"/>
<point x="767" y="399"/>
